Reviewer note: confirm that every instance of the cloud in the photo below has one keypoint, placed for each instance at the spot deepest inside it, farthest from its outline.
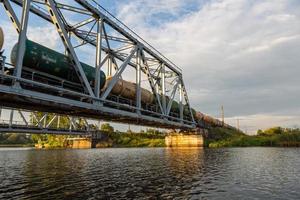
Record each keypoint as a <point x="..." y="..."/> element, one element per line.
<point x="237" y="53"/>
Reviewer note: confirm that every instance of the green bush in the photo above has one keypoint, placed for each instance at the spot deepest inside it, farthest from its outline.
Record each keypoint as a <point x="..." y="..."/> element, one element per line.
<point x="276" y="136"/>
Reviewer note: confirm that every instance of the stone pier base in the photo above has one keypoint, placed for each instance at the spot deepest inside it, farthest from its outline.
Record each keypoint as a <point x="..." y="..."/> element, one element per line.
<point x="79" y="143"/>
<point x="180" y="140"/>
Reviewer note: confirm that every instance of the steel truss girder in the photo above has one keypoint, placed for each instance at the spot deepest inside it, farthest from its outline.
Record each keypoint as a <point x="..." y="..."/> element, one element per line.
<point x="157" y="81"/>
<point x="44" y="123"/>
<point x="82" y="108"/>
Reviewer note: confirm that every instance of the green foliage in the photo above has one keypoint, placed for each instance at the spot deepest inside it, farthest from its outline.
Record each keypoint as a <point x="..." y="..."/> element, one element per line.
<point x="142" y="139"/>
<point x="107" y="127"/>
<point x="49" y="141"/>
<point x="273" y="131"/>
<point x="148" y="138"/>
<point x="259" y="132"/>
<point x="221" y="134"/>
<point x="15" y="139"/>
<point x="276" y="136"/>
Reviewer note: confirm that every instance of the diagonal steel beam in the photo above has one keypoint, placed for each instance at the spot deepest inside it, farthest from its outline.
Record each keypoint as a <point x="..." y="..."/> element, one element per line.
<point x="51" y="121"/>
<point x="187" y="99"/>
<point x="68" y="45"/>
<point x="23" y="117"/>
<point x="172" y="97"/>
<point x="118" y="74"/>
<point x="83" y="23"/>
<point x="12" y="15"/>
<point x="151" y="82"/>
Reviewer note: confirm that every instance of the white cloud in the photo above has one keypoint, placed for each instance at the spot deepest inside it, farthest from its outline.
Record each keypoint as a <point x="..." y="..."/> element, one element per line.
<point x="242" y="54"/>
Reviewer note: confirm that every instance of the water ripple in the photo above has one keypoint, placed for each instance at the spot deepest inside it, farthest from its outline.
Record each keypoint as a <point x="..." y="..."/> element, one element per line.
<point x="154" y="173"/>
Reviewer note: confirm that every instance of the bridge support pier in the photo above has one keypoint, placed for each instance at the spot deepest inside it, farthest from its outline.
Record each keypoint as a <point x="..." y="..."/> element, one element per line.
<point x="186" y="139"/>
<point x="97" y="140"/>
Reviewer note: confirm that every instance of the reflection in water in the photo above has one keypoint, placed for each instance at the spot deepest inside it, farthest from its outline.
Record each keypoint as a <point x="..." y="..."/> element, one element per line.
<point x="185" y="161"/>
<point x="150" y="173"/>
<point x="58" y="170"/>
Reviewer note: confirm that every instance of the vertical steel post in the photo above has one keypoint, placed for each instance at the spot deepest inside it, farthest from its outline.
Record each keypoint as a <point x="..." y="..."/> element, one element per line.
<point x="138" y="80"/>
<point x="45" y="120"/>
<point x="70" y="125"/>
<point x="58" y="121"/>
<point x="22" y="38"/>
<point x="99" y="125"/>
<point x="66" y="50"/>
<point x="109" y="66"/>
<point x="98" y="58"/>
<point x="11" y="117"/>
<point x="163" y="88"/>
<point x="180" y="102"/>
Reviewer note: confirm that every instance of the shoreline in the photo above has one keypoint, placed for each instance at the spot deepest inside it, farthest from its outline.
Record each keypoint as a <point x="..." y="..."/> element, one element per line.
<point x="16" y="145"/>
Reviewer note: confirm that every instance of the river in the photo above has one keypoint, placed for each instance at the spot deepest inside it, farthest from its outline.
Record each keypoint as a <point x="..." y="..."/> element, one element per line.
<point x="150" y="173"/>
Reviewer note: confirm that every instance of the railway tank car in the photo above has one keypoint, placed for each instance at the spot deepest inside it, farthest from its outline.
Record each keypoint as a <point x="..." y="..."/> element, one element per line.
<point x="43" y="59"/>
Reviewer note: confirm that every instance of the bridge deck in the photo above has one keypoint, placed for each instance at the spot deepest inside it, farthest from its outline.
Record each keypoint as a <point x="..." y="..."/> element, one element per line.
<point x="17" y="97"/>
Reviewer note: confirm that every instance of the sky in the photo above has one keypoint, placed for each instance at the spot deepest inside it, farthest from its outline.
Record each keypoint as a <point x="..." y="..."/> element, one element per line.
<point x="242" y="54"/>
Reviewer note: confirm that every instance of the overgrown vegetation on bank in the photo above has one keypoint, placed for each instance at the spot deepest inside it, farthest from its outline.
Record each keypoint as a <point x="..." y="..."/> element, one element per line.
<point x="15" y="140"/>
<point x="148" y="138"/>
<point x="273" y="137"/>
<point x="130" y="139"/>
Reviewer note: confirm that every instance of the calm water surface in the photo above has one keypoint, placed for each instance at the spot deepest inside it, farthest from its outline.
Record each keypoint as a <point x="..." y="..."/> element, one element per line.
<point x="150" y="173"/>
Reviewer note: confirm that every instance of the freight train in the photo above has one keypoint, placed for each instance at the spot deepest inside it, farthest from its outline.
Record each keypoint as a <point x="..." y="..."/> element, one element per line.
<point x="54" y="68"/>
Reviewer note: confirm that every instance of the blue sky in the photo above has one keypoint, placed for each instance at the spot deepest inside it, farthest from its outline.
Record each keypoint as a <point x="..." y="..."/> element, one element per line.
<point x="243" y="54"/>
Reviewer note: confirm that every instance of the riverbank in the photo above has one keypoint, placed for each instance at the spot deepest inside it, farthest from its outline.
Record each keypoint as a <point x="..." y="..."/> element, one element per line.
<point x="132" y="140"/>
<point x="15" y="140"/>
<point x="15" y="145"/>
<point x="217" y="138"/>
<point x="108" y="140"/>
<point x="273" y="137"/>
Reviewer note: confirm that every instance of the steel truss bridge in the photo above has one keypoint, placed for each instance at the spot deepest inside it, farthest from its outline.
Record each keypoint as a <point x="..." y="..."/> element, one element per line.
<point x="116" y="47"/>
<point x="26" y="121"/>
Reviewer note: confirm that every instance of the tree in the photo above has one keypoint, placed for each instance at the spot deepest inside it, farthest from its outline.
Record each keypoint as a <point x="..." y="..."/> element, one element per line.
<point x="260" y="132"/>
<point x="14" y="138"/>
<point x="107" y="127"/>
<point x="273" y="131"/>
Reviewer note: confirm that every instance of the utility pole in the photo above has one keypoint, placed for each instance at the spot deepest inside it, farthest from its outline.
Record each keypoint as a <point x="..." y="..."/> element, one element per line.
<point x="222" y="114"/>
<point x="238" y="124"/>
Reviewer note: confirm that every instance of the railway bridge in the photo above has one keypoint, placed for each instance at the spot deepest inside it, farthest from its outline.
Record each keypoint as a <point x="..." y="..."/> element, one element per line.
<point x="37" y="78"/>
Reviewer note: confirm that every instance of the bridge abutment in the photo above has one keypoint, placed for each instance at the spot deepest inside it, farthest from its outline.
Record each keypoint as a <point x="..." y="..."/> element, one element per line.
<point x="186" y="139"/>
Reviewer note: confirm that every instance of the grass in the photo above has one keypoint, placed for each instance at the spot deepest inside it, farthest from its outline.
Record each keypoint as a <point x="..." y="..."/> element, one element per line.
<point x="136" y="140"/>
<point x="284" y="138"/>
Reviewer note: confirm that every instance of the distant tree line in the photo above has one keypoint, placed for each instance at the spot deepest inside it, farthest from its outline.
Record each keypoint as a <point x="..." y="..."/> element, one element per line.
<point x="15" y="139"/>
<point x="277" y="131"/>
<point x="276" y="136"/>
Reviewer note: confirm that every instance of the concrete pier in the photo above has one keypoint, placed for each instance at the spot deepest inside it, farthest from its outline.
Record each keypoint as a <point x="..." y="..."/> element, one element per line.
<point x="79" y="143"/>
<point x="180" y="140"/>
